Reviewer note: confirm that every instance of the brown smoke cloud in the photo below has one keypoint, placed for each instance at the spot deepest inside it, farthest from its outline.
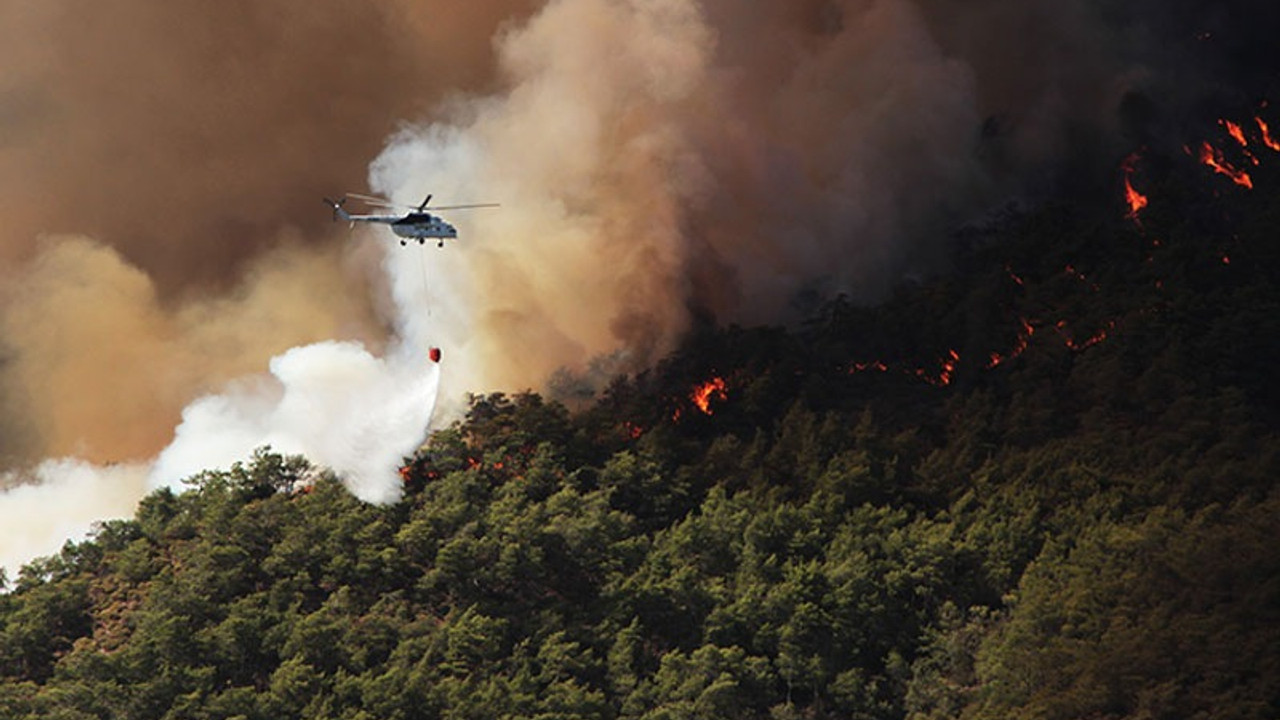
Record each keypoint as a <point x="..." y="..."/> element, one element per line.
<point x="192" y="141"/>
<point x="187" y="133"/>
<point x="655" y="158"/>
<point x="105" y="367"/>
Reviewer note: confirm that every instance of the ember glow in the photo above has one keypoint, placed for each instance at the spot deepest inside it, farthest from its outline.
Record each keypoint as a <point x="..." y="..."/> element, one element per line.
<point x="1094" y="339"/>
<point x="941" y="379"/>
<point x="944" y="376"/>
<point x="948" y="368"/>
<point x="1073" y="272"/>
<point x="1212" y="157"/>
<point x="1019" y="347"/>
<point x="703" y="393"/>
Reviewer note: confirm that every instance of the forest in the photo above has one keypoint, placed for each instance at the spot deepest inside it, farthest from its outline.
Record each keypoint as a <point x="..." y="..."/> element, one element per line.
<point x="1039" y="485"/>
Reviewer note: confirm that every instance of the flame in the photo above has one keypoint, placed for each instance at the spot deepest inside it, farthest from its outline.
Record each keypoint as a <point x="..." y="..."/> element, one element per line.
<point x="1235" y="131"/>
<point x="1135" y="200"/>
<point x="1013" y="276"/>
<point x="1212" y="157"/>
<point x="1266" y="135"/>
<point x="703" y="393"/>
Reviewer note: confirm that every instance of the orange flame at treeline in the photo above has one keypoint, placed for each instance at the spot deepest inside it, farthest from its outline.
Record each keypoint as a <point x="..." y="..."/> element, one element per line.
<point x="1136" y="200"/>
<point x="717" y="389"/>
<point x="704" y="392"/>
<point x="943" y="378"/>
<point x="1216" y="160"/>
<point x="1266" y="135"/>
<point x="1212" y="157"/>
<point x="700" y="396"/>
<point x="946" y="373"/>
<point x="1019" y="346"/>
<point x="1088" y="342"/>
<point x="1235" y="131"/>
<point x="1026" y="329"/>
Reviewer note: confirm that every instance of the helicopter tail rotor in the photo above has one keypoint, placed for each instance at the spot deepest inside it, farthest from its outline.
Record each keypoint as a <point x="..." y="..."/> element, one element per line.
<point x="338" y="212"/>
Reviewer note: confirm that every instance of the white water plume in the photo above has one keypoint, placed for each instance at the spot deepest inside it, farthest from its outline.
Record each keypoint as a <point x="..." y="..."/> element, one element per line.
<point x="58" y="500"/>
<point x="334" y="402"/>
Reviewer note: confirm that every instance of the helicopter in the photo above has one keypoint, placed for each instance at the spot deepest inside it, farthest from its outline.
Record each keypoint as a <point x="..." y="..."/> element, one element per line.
<point x="416" y="224"/>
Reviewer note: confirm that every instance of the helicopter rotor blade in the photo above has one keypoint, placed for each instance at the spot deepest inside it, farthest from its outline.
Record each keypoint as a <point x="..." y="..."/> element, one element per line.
<point x="377" y="201"/>
<point x="371" y="198"/>
<point x="465" y="207"/>
<point x="424" y="207"/>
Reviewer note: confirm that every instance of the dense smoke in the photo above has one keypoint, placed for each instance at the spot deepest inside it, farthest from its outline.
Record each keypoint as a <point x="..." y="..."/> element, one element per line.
<point x="107" y="366"/>
<point x="660" y="159"/>
<point x="161" y="165"/>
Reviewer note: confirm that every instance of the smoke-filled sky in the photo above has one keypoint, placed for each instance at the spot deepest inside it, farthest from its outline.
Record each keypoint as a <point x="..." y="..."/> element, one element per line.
<point x="173" y="291"/>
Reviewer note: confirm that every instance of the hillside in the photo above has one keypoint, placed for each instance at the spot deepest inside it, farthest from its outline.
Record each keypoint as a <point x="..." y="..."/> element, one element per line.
<point x="1041" y="485"/>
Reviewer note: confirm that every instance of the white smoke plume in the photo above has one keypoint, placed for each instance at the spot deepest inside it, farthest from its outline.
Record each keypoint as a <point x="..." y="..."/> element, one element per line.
<point x="334" y="403"/>
<point x="58" y="500"/>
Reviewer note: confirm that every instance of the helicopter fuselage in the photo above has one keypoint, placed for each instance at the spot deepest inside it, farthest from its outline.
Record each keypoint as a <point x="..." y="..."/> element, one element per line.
<point x="420" y="226"/>
<point x="417" y="224"/>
